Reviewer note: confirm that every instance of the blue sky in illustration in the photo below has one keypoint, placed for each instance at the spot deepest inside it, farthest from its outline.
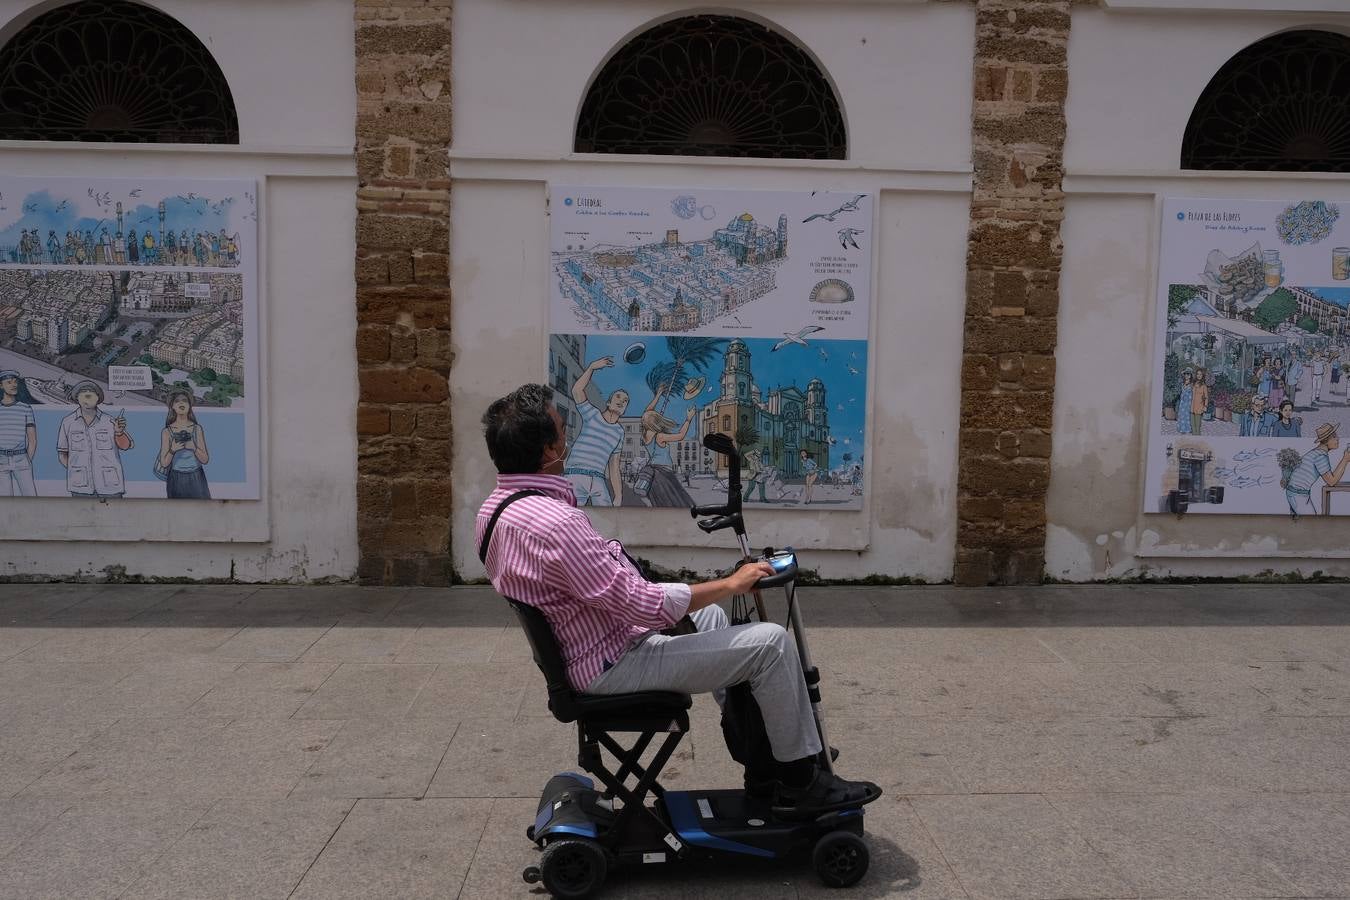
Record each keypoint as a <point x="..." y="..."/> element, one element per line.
<point x="48" y="212"/>
<point x="841" y="365"/>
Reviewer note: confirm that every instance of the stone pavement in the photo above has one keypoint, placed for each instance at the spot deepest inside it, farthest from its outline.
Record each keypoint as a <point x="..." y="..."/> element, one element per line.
<point x="316" y="742"/>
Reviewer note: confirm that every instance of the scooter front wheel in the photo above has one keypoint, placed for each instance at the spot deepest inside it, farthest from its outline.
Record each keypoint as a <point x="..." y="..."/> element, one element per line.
<point x="840" y="858"/>
<point x="573" y="869"/>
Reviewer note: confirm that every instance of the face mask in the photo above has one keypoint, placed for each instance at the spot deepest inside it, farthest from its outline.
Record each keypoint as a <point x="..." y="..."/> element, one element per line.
<point x="557" y="460"/>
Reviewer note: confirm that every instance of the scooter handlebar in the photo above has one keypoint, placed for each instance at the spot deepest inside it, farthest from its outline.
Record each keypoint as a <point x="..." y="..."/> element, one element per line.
<point x="718" y="523"/>
<point x="712" y="509"/>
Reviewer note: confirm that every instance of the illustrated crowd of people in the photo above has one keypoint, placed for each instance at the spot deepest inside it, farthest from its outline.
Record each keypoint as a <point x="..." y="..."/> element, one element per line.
<point x="1274" y="383"/>
<point x="185" y="248"/>
<point x="90" y="443"/>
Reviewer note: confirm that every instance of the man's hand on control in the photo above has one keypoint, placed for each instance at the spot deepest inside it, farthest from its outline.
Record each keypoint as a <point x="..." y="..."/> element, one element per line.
<point x="738" y="582"/>
<point x="744" y="578"/>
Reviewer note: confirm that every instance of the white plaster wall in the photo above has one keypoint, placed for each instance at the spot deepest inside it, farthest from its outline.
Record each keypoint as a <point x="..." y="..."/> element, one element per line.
<point x="296" y="113"/>
<point x="1134" y="78"/>
<point x="906" y="98"/>
<point x="522" y="67"/>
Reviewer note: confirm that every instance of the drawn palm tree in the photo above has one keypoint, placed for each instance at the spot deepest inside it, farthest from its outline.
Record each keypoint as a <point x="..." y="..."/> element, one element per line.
<point x="695" y="352"/>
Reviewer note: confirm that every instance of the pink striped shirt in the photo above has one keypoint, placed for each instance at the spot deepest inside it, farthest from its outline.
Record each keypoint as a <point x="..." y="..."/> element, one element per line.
<point x="545" y="553"/>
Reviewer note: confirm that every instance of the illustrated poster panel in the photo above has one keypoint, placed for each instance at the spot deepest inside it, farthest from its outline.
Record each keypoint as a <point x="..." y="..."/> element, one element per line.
<point x="675" y="314"/>
<point x="129" y="338"/>
<point x="1250" y="408"/>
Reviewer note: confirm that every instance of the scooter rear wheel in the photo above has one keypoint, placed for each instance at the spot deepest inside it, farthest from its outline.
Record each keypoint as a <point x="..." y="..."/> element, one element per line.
<point x="840" y="859"/>
<point x="573" y="869"/>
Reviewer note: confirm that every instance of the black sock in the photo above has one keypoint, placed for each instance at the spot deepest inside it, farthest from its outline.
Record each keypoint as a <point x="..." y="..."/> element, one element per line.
<point x="797" y="773"/>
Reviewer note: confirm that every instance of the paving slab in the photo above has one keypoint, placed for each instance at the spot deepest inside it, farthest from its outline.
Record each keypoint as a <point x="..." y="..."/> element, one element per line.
<point x="40" y="688"/>
<point x="1013" y="846"/>
<point x="1303" y="836"/>
<point x="466" y="607"/>
<point x="367" y="691"/>
<point x="485" y="690"/>
<point x="21" y="819"/>
<point x="370" y="758"/>
<point x="359" y="642"/>
<point x="206" y="605"/>
<point x="274" y="642"/>
<point x="243" y="848"/>
<point x="398" y="848"/>
<point x="94" y="850"/>
<point x="1172" y="845"/>
<point x="163" y="641"/>
<point x="162" y="687"/>
<point x="15" y="639"/>
<point x="25" y="603"/>
<point x="82" y="644"/>
<point x="114" y="604"/>
<point x="194" y="759"/>
<point x="453" y="644"/>
<point x="299" y="601"/>
<point x="263" y="690"/>
<point x="495" y="758"/>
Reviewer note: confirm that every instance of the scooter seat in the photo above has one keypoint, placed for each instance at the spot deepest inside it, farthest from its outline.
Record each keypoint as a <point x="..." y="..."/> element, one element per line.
<point x="642" y="705"/>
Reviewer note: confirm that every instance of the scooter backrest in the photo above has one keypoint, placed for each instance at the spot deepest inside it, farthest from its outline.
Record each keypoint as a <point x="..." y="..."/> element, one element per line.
<point x="547" y="656"/>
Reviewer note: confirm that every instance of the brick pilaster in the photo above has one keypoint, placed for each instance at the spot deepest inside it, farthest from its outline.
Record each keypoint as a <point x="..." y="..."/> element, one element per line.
<point x="1012" y="289"/>
<point x="403" y="289"/>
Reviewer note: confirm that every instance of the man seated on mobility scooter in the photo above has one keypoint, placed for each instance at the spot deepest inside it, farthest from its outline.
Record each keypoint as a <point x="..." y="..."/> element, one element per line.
<point x="608" y="620"/>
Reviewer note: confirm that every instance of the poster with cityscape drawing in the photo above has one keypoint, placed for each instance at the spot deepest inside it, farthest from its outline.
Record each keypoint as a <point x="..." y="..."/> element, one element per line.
<point x="1250" y="410"/>
<point x="677" y="313"/>
<point x="129" y="338"/>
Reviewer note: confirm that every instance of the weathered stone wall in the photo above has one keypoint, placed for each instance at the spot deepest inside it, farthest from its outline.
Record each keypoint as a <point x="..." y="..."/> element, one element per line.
<point x="403" y="289"/>
<point x="1012" y="289"/>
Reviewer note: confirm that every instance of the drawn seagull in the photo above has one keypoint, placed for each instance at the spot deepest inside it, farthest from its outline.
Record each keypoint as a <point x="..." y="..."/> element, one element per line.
<point x="853" y="371"/>
<point x="798" y="338"/>
<point x="135" y="193"/>
<point x="824" y="357"/>
<point x="846" y="238"/>
<point x="848" y="206"/>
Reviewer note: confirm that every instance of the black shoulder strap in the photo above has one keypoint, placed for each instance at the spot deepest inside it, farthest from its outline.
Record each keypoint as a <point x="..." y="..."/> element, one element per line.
<point x="492" y="522"/>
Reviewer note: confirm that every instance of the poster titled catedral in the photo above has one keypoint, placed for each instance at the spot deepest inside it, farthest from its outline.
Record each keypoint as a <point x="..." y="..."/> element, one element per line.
<point x="128" y="338"/>
<point x="678" y="313"/>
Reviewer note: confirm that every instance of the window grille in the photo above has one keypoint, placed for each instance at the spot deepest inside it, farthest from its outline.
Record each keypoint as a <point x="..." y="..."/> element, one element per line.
<point x="712" y="86"/>
<point x="108" y="70"/>
<point x="1282" y="104"/>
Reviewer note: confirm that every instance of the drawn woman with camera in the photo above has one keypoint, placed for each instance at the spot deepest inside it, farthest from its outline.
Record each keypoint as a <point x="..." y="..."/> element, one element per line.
<point x="182" y="451"/>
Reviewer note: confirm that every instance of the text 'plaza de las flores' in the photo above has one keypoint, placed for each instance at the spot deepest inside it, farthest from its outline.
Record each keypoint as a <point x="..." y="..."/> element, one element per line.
<point x="670" y="285"/>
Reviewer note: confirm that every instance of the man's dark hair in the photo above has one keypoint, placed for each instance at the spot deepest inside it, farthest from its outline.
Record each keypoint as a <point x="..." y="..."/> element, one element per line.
<point x="518" y="428"/>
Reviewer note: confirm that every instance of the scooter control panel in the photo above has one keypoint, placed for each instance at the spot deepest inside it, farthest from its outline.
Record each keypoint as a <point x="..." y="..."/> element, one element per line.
<point x="784" y="563"/>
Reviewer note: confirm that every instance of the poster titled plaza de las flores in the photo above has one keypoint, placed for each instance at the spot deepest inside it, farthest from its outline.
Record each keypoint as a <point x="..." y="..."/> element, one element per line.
<point x="675" y="313"/>
<point x="1251" y="394"/>
<point x="128" y="338"/>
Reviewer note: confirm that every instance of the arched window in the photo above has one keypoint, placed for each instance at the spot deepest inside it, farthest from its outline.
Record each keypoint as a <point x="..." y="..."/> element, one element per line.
<point x="109" y="70"/>
<point x="1282" y="104"/>
<point x="712" y="86"/>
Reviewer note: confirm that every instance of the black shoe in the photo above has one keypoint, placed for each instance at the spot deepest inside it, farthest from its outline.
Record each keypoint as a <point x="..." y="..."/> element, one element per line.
<point x="762" y="789"/>
<point x="825" y="793"/>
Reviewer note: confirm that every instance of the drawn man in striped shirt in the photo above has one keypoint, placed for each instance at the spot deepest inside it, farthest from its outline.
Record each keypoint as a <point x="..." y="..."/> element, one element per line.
<point x="593" y="460"/>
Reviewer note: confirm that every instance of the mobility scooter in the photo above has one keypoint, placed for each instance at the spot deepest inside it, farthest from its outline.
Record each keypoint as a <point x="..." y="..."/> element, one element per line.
<point x="587" y="829"/>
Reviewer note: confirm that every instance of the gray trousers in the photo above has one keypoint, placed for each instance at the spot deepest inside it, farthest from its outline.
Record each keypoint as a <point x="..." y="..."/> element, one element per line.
<point x="714" y="659"/>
